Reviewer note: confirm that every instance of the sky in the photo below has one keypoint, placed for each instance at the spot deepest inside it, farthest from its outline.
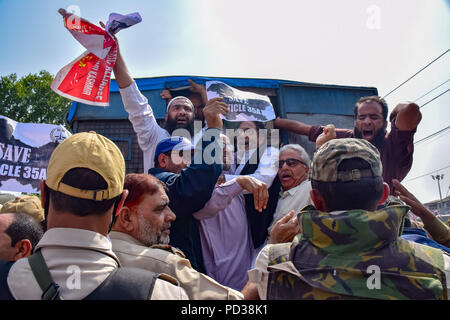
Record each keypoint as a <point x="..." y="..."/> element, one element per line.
<point x="352" y="42"/>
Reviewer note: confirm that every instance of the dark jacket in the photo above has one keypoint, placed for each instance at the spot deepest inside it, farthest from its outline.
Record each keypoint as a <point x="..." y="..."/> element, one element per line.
<point x="259" y="222"/>
<point x="188" y="192"/>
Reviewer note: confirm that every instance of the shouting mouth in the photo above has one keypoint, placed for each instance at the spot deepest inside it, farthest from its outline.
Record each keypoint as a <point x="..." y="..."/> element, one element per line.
<point x="367" y="134"/>
<point x="285" y="176"/>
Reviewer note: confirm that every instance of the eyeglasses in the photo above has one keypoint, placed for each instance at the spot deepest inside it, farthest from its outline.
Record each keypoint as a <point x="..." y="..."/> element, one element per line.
<point x="290" y="162"/>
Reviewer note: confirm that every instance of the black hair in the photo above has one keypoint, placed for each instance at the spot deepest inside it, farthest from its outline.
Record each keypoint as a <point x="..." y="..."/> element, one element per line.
<point x="377" y="99"/>
<point x="85" y="179"/>
<point x="167" y="153"/>
<point x="361" y="194"/>
<point x="23" y="227"/>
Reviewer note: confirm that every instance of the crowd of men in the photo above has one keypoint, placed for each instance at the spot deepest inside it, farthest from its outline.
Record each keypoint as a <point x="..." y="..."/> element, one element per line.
<point x="218" y="218"/>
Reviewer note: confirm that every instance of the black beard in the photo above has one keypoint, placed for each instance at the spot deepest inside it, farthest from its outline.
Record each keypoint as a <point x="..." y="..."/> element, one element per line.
<point x="377" y="140"/>
<point x="172" y="125"/>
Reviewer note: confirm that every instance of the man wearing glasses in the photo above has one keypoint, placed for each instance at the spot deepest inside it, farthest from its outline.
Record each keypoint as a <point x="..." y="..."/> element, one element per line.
<point x="293" y="171"/>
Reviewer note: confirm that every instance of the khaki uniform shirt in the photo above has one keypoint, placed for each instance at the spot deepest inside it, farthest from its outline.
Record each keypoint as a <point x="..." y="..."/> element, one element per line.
<point x="171" y="261"/>
<point x="78" y="261"/>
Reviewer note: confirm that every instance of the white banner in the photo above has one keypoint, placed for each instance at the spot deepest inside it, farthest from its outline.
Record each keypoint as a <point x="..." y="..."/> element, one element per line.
<point x="244" y="106"/>
<point x="25" y="149"/>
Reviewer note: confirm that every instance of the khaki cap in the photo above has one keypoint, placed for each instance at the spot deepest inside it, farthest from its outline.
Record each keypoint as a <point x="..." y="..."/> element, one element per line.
<point x="30" y="205"/>
<point x="87" y="150"/>
<point x="327" y="158"/>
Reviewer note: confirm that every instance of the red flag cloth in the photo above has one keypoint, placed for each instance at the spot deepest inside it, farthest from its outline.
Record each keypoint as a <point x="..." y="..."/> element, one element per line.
<point x="87" y="78"/>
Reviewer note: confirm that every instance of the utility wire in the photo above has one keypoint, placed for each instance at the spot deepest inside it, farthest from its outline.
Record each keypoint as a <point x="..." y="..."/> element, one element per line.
<point x="434" y="98"/>
<point x="432" y="135"/>
<point x="432" y="90"/>
<point x="416" y="73"/>
<point x="437" y="137"/>
<point x="427" y="174"/>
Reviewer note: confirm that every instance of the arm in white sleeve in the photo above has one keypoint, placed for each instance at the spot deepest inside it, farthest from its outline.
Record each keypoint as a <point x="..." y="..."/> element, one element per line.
<point x="141" y="117"/>
<point x="220" y="199"/>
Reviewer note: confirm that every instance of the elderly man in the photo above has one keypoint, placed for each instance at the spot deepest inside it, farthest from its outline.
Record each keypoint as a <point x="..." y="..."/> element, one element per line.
<point x="140" y="238"/>
<point x="396" y="147"/>
<point x="19" y="235"/>
<point x="349" y="249"/>
<point x="74" y="259"/>
<point x="293" y="171"/>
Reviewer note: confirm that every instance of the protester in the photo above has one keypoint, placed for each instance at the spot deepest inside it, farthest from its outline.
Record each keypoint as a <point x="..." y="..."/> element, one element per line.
<point x="396" y="147"/>
<point x="224" y="232"/>
<point x="197" y="95"/>
<point x="257" y="158"/>
<point x="19" y="235"/>
<point x="293" y="171"/>
<point x="82" y="192"/>
<point x="180" y="114"/>
<point x="344" y="239"/>
<point x="190" y="186"/>
<point x="140" y="238"/>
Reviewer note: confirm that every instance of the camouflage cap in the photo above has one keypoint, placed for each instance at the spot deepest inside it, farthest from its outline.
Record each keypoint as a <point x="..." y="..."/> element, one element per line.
<point x="327" y="158"/>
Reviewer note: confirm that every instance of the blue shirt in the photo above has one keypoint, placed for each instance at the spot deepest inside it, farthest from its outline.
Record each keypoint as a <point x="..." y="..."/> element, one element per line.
<point x="420" y="236"/>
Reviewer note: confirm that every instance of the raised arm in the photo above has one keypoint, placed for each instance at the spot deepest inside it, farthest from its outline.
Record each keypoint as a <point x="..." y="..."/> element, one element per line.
<point x="121" y="73"/>
<point x="407" y="116"/>
<point x="200" y="89"/>
<point x="437" y="229"/>
<point x="292" y="125"/>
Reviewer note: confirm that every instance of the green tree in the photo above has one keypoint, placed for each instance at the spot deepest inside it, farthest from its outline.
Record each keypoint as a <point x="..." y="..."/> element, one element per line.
<point x="30" y="99"/>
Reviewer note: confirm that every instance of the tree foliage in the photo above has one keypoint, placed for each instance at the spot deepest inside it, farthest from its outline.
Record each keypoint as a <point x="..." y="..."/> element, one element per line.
<point x="30" y="99"/>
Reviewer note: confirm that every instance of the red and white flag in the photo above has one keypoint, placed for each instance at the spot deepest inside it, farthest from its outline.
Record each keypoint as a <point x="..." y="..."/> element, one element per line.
<point x="87" y="78"/>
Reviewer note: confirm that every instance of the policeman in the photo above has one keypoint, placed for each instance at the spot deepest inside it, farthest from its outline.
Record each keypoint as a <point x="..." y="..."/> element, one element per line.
<point x="140" y="238"/>
<point x="74" y="259"/>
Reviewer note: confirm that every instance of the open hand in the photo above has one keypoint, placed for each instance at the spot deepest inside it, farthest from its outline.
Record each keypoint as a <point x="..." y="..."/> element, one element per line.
<point x="212" y="110"/>
<point x="284" y="229"/>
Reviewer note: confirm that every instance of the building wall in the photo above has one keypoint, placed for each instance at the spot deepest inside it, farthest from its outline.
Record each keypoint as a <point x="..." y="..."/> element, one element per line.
<point x="443" y="208"/>
<point x="122" y="134"/>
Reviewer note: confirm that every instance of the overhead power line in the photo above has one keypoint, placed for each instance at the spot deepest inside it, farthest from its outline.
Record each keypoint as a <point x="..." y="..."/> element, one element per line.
<point x="426" y="174"/>
<point x="434" y="98"/>
<point x="415" y="74"/>
<point x="432" y="135"/>
<point x="432" y="90"/>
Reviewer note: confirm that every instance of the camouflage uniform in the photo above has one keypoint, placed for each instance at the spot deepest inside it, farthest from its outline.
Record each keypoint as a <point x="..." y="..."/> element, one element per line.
<point x="331" y="259"/>
<point x="340" y="255"/>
